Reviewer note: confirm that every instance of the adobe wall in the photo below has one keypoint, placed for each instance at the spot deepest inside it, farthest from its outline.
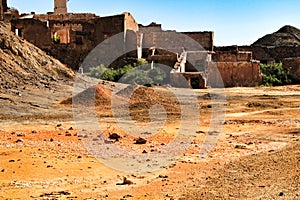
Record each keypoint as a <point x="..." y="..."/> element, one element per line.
<point x="206" y="39"/>
<point x="106" y="27"/>
<point x="1" y="11"/>
<point x="293" y="66"/>
<point x="60" y="7"/>
<point x="3" y="8"/>
<point x="33" y="31"/>
<point x="235" y="74"/>
<point x="130" y="23"/>
<point x="232" y="56"/>
<point x="83" y="17"/>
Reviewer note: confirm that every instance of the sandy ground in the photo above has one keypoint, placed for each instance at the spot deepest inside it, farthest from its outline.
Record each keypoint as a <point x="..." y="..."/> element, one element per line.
<point x="257" y="155"/>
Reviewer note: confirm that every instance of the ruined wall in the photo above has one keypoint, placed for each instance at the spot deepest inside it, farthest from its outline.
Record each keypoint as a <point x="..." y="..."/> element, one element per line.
<point x="3" y="8"/>
<point x="236" y="74"/>
<point x="83" y="17"/>
<point x="232" y="56"/>
<point x="33" y="31"/>
<point x="60" y="7"/>
<point x="293" y="66"/>
<point x="130" y="23"/>
<point x="106" y="27"/>
<point x="206" y="39"/>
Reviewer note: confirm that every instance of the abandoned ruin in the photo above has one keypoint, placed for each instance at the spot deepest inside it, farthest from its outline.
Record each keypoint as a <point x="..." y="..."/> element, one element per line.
<point x="70" y="37"/>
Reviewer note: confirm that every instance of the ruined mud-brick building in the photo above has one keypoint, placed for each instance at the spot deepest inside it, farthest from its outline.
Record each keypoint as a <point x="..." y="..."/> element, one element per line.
<point x="3" y="8"/>
<point x="70" y="37"/>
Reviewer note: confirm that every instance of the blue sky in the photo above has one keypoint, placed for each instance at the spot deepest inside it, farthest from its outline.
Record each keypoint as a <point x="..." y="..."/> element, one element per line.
<point x="239" y="22"/>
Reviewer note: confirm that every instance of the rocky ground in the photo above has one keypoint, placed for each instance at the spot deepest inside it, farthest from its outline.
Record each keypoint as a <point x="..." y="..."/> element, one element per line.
<point x="257" y="155"/>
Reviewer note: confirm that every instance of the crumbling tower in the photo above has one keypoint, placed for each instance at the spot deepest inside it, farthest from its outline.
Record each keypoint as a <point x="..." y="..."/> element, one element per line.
<point x="60" y="7"/>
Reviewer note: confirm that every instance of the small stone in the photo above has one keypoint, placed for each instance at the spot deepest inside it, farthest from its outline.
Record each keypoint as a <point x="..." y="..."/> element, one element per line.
<point x="147" y="133"/>
<point x="68" y="134"/>
<point x="3" y="170"/>
<point x="127" y="182"/>
<point x="19" y="140"/>
<point x="238" y="146"/>
<point x="140" y="141"/>
<point x="145" y="151"/>
<point x="200" y="132"/>
<point x="114" y="136"/>
<point x="58" y="125"/>
<point x="11" y="161"/>
<point x="51" y="139"/>
<point x="162" y="176"/>
<point x="71" y="128"/>
<point x="33" y="131"/>
<point x="281" y="194"/>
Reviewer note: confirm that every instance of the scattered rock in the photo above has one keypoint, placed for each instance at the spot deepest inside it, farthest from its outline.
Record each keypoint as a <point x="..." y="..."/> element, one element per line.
<point x="19" y="141"/>
<point x="68" y="134"/>
<point x="200" y="132"/>
<point x="33" y="132"/>
<point x="140" y="141"/>
<point x="127" y="196"/>
<point x="114" y="136"/>
<point x="163" y="176"/>
<point x="53" y="194"/>
<point x="125" y="182"/>
<point x="238" y="146"/>
<point x="11" y="161"/>
<point x="146" y="133"/>
<point x="281" y="194"/>
<point x="20" y="135"/>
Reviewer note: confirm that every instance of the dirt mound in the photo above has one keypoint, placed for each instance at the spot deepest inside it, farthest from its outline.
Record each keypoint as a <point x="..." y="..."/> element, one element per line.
<point x="148" y="96"/>
<point x="285" y="36"/>
<point x="97" y="95"/>
<point x="142" y="98"/>
<point x="139" y="99"/>
<point x="23" y="64"/>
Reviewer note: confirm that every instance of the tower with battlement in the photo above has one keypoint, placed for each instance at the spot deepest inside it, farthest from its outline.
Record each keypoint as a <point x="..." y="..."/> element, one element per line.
<point x="60" y="7"/>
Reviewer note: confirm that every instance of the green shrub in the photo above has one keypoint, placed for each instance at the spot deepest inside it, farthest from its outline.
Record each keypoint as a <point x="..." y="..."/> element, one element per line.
<point x="144" y="75"/>
<point x="140" y="73"/>
<point x="109" y="74"/>
<point x="56" y="39"/>
<point x="274" y="74"/>
<point x="102" y="72"/>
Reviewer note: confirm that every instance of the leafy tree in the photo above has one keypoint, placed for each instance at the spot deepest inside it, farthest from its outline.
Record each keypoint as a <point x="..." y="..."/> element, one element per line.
<point x="274" y="74"/>
<point x="140" y="73"/>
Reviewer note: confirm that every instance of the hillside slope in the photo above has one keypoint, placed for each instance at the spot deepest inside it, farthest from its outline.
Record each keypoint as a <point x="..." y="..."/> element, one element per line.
<point x="31" y="82"/>
<point x="286" y="36"/>
<point x="21" y="63"/>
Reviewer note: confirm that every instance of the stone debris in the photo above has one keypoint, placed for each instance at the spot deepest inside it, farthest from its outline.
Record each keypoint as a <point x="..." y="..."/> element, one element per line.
<point x="140" y="141"/>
